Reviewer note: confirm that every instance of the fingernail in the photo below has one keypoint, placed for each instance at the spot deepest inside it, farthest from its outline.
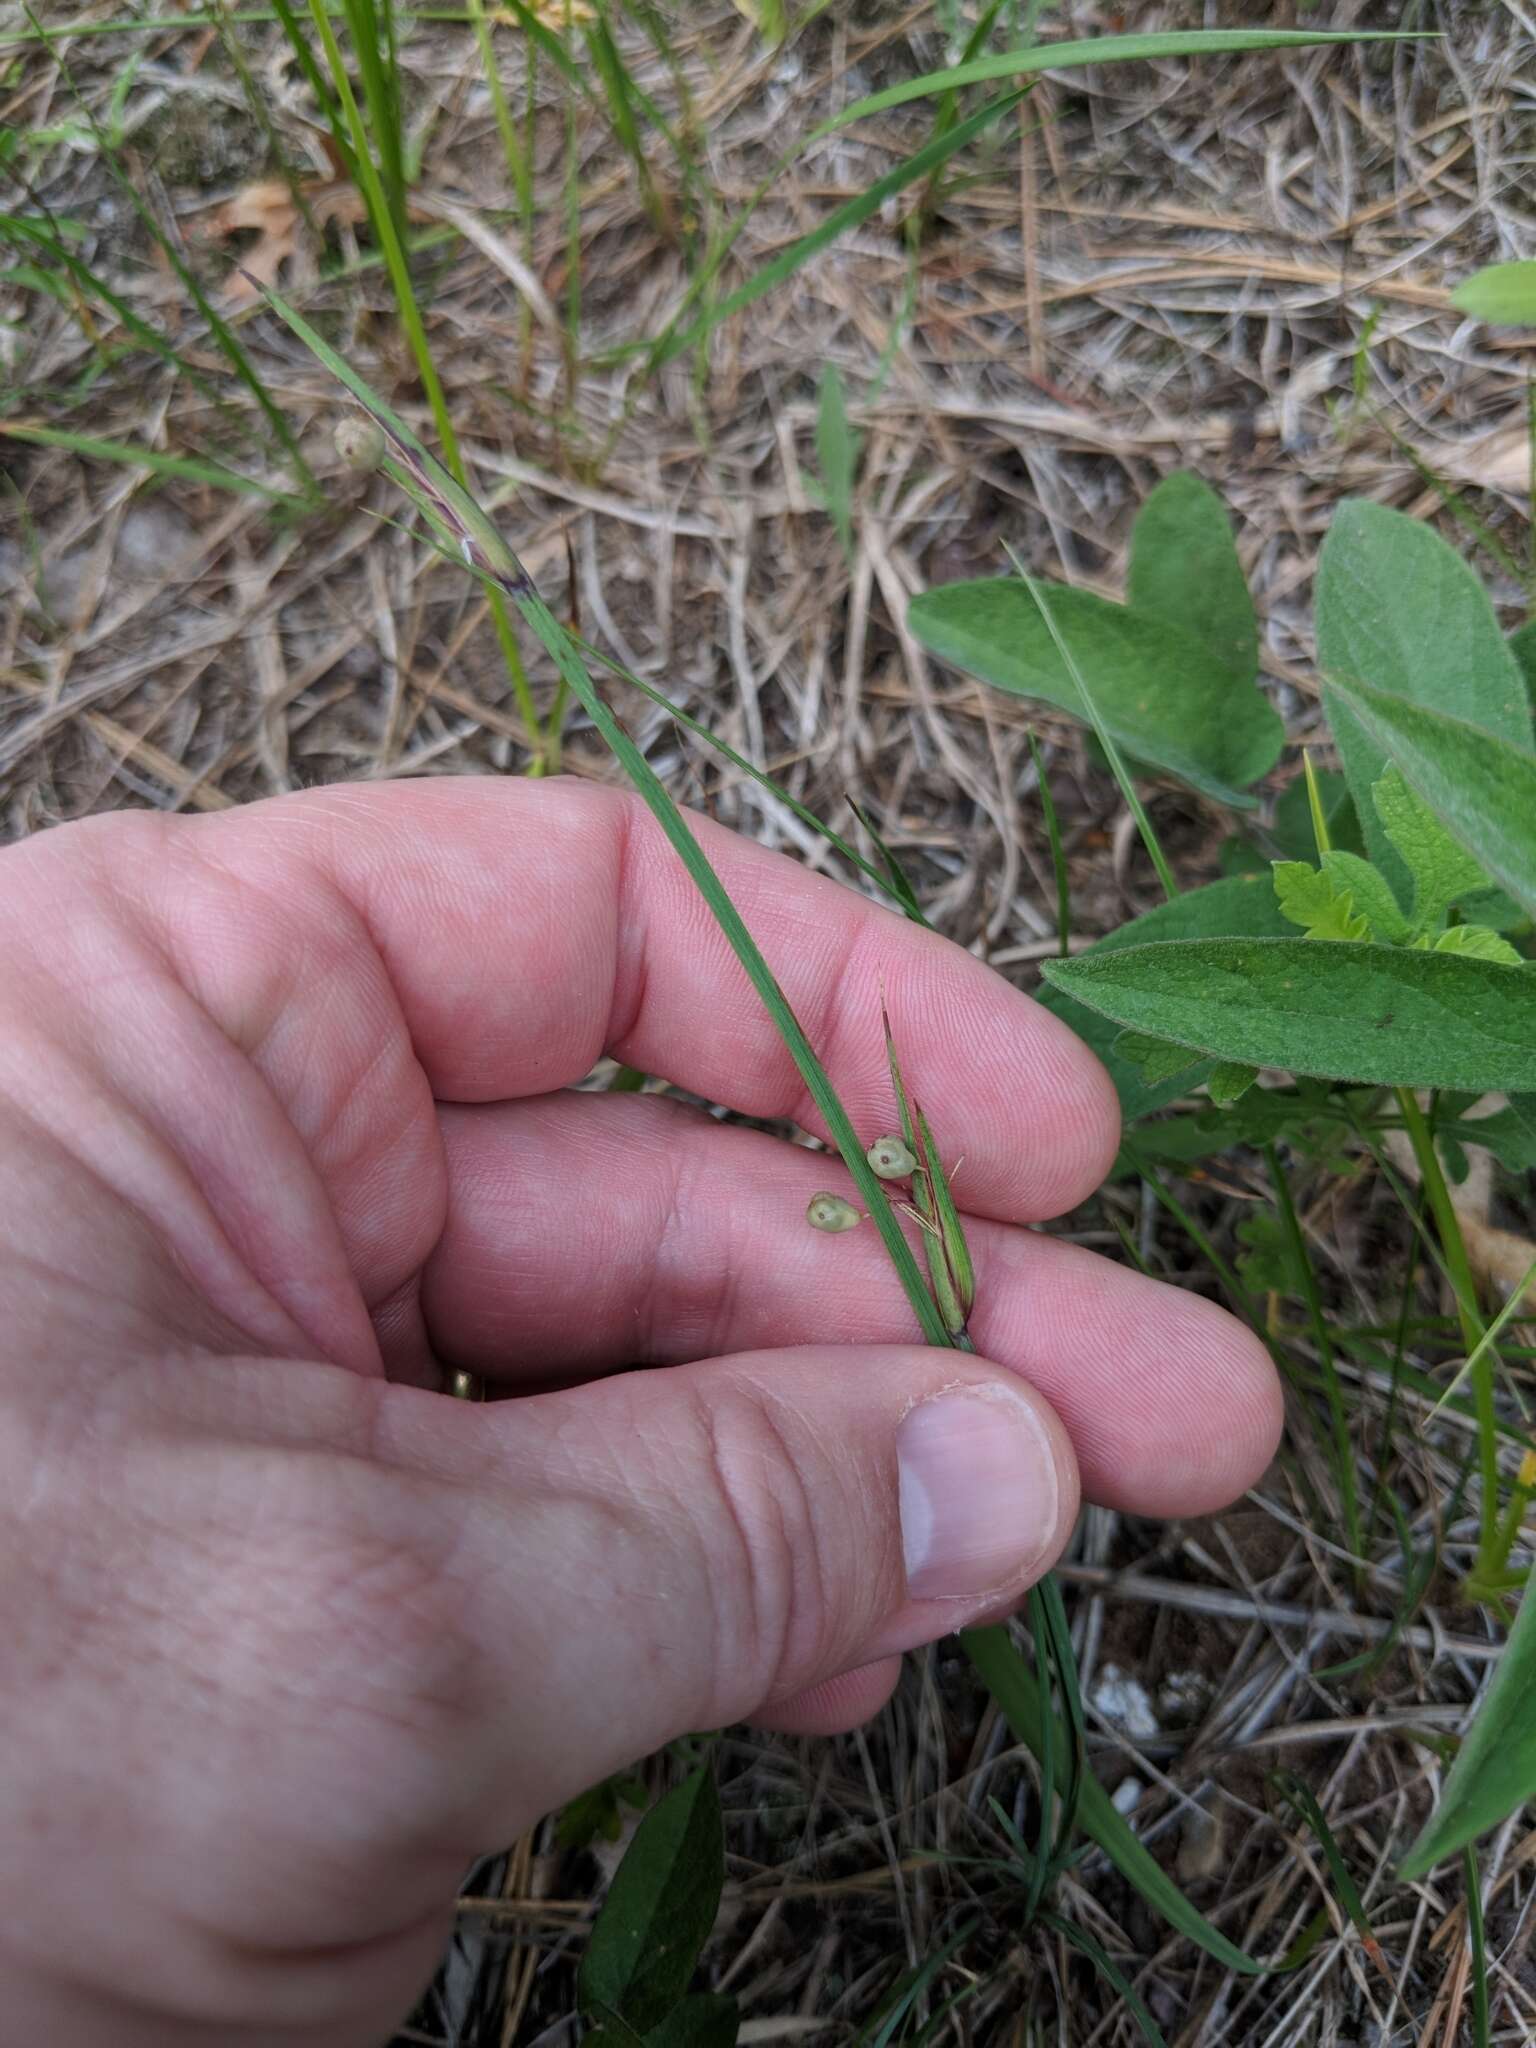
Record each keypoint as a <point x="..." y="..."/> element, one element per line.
<point x="978" y="1493"/>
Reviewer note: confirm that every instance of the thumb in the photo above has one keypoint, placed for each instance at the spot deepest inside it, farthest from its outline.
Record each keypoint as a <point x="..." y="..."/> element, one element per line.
<point x="674" y="1550"/>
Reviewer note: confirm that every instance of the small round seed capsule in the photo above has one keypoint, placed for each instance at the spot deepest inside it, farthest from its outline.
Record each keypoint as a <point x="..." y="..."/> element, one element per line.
<point x="892" y="1158"/>
<point x="831" y="1212"/>
<point x="359" y="442"/>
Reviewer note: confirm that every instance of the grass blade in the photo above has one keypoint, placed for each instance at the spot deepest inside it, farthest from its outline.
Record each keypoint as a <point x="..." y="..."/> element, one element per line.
<point x="472" y="535"/>
<point x="1019" y="1694"/>
<point x="190" y="469"/>
<point x="1105" y="738"/>
<point x="938" y="150"/>
<point x="1129" y="49"/>
<point x="1085" y="1945"/>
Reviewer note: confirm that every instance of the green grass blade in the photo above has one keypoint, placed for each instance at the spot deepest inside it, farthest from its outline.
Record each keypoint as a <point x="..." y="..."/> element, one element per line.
<point x="1300" y="1796"/>
<point x="1102" y="733"/>
<point x="893" y="882"/>
<point x="896" y="879"/>
<point x="938" y="150"/>
<point x="149" y="337"/>
<point x="1128" y="49"/>
<point x="837" y="451"/>
<point x="1018" y="1693"/>
<point x="1085" y="1945"/>
<point x="445" y="501"/>
<point x="190" y="469"/>
<point x="1476" y="1941"/>
<point x="1495" y="1769"/>
<point x="1058" y="855"/>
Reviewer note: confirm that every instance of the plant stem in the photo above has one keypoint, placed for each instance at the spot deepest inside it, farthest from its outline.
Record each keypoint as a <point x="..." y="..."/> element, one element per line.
<point x="1344" y="1451"/>
<point x="1459" y="1270"/>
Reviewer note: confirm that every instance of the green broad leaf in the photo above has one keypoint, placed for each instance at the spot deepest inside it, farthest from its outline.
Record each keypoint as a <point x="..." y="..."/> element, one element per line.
<point x="1236" y="907"/>
<point x="1386" y="1015"/>
<point x="1401" y="613"/>
<point x="705" y="2019"/>
<point x="1522" y="645"/>
<point x="1160" y="692"/>
<point x="1495" y="1768"/>
<point x="1372" y="896"/>
<point x="1230" y="1080"/>
<point x="1509" y="1133"/>
<point x="1184" y="571"/>
<point x="1481" y="788"/>
<point x="1317" y="901"/>
<point x="1503" y="293"/>
<point x="1440" y="871"/>
<point x="1156" y="1059"/>
<point x="660" y="1908"/>
<point x="1479" y="941"/>
<point x="1017" y="1691"/>
<point x="837" y="452"/>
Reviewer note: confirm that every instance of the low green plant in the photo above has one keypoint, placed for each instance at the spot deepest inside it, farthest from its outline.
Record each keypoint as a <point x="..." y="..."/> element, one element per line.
<point x="1372" y="977"/>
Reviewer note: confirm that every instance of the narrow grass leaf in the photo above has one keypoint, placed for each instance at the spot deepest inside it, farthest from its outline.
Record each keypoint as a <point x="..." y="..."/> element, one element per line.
<point x="484" y="552"/>
<point x="1078" y="1938"/>
<point x="1143" y="48"/>
<point x="889" y="876"/>
<point x="660" y="1908"/>
<point x="1300" y="1795"/>
<point x="1481" y="786"/>
<point x="1382" y="1014"/>
<point x="189" y="468"/>
<point x="882" y="2030"/>
<point x="837" y="452"/>
<point x="1020" y="1696"/>
<point x="938" y="150"/>
<point x="896" y="879"/>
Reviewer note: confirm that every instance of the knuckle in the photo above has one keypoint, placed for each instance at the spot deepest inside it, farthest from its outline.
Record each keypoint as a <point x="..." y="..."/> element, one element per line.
<point x="770" y="1579"/>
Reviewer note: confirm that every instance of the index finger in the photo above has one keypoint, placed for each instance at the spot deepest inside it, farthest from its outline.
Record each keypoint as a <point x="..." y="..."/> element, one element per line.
<point x="529" y="927"/>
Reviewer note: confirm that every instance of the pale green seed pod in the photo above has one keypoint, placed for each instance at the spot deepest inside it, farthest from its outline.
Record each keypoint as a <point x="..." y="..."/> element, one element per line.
<point x="891" y="1158"/>
<point x="359" y="442"/>
<point x="831" y="1212"/>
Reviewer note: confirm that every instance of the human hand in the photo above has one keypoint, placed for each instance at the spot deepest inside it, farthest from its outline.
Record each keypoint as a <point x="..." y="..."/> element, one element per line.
<point x="284" y="1130"/>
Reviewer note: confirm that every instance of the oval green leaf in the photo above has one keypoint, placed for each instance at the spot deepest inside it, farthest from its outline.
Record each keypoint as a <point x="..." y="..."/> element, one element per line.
<point x="1159" y="690"/>
<point x="1185" y="571"/>
<point x="1239" y="906"/>
<point x="1504" y="293"/>
<point x="659" y="1910"/>
<point x="1400" y="611"/>
<point x="1482" y="789"/>
<point x="1385" y="1015"/>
